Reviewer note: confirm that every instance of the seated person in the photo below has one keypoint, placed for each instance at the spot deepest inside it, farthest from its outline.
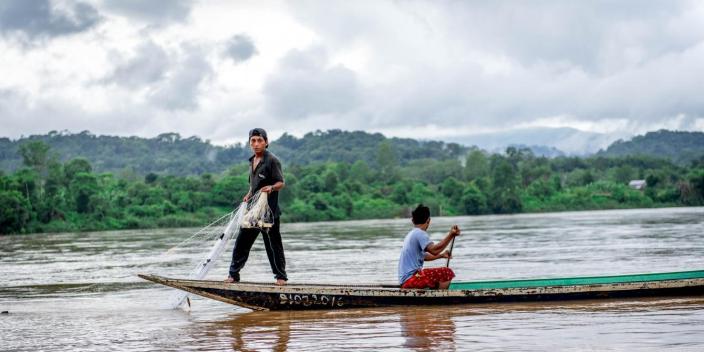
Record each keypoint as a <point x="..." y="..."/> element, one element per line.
<point x="417" y="248"/>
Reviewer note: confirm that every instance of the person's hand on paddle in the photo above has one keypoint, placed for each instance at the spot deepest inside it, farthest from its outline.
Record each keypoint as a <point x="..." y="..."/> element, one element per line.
<point x="446" y="254"/>
<point x="455" y="231"/>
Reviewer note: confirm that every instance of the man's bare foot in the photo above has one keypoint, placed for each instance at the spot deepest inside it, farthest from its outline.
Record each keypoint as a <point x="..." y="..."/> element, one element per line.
<point x="230" y="280"/>
<point x="280" y="282"/>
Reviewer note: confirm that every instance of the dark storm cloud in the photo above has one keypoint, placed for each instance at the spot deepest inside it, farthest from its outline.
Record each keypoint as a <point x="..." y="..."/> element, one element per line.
<point x="240" y="48"/>
<point x="147" y="67"/>
<point x="306" y="85"/>
<point x="39" y="19"/>
<point x="153" y="11"/>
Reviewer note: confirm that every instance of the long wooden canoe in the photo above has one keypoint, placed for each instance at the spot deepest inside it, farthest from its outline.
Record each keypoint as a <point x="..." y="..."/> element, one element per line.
<point x="262" y="296"/>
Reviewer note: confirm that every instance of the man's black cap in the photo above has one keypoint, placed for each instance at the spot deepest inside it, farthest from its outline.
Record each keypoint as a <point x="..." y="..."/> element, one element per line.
<point x="258" y="132"/>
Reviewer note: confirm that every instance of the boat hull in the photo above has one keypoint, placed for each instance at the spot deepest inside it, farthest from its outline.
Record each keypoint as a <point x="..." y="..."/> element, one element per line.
<point x="260" y="296"/>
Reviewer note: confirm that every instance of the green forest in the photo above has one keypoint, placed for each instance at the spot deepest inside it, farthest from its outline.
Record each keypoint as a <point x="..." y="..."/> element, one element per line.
<point x="49" y="194"/>
<point x="681" y="147"/>
<point x="171" y="154"/>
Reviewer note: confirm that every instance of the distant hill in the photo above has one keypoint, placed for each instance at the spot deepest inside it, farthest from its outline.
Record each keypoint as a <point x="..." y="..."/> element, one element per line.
<point x="571" y="141"/>
<point x="679" y="146"/>
<point x="169" y="153"/>
<point x="345" y="146"/>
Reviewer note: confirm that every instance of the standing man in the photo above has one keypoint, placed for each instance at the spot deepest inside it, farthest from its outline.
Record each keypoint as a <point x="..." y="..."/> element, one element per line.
<point x="417" y="248"/>
<point x="264" y="174"/>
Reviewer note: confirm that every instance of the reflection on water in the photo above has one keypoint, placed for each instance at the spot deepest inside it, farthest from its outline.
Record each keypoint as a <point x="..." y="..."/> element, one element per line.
<point x="523" y="326"/>
<point x="425" y="329"/>
<point x="79" y="291"/>
<point x="420" y="329"/>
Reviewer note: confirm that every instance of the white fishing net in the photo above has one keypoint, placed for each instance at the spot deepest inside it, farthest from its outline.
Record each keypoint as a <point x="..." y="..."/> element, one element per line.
<point x="257" y="213"/>
<point x="202" y="237"/>
<point x="203" y="249"/>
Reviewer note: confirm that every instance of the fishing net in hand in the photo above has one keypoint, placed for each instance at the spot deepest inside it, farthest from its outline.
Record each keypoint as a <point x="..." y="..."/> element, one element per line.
<point x="203" y="248"/>
<point x="257" y="213"/>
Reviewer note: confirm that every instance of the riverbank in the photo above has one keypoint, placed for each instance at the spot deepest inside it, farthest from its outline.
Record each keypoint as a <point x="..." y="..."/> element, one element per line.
<point x="201" y="219"/>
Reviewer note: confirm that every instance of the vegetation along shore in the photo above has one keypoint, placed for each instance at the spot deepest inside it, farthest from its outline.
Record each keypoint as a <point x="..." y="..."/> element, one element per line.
<point x="81" y="182"/>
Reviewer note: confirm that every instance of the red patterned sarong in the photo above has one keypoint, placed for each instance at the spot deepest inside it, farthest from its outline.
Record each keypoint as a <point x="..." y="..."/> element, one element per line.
<point x="429" y="278"/>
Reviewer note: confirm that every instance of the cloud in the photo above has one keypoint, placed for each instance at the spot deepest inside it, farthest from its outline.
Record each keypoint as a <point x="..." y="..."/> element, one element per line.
<point x="307" y="84"/>
<point x="23" y="115"/>
<point x="158" y="12"/>
<point x="597" y="37"/>
<point x="390" y="66"/>
<point x="148" y="66"/>
<point x="240" y="48"/>
<point x="33" y="19"/>
<point x="496" y="64"/>
<point x="9" y="100"/>
<point x="169" y="79"/>
<point x="181" y="88"/>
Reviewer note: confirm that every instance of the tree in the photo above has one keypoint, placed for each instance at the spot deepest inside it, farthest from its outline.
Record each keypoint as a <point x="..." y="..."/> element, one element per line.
<point x="579" y="177"/>
<point x="421" y="193"/>
<point x="35" y="155"/>
<point x="453" y="189"/>
<point x="473" y="200"/>
<point x="504" y="194"/>
<point x="76" y="166"/>
<point x="360" y="171"/>
<point x="229" y="190"/>
<point x="150" y="178"/>
<point x="330" y="181"/>
<point x="623" y="174"/>
<point x="83" y="187"/>
<point x="696" y="180"/>
<point x="15" y="212"/>
<point x="476" y="165"/>
<point x="311" y="183"/>
<point x="290" y="191"/>
<point x="454" y="149"/>
<point x="542" y="189"/>
<point x="653" y="180"/>
<point x="387" y="162"/>
<point x="344" y="203"/>
<point x="55" y="179"/>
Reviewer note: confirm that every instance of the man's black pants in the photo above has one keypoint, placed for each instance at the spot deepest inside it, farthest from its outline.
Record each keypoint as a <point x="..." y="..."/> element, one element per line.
<point x="272" y="243"/>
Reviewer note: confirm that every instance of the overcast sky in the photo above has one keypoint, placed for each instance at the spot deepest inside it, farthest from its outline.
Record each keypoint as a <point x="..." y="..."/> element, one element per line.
<point x="420" y="69"/>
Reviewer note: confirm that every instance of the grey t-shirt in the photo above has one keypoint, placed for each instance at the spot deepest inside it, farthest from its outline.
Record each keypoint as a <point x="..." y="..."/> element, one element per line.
<point x="412" y="254"/>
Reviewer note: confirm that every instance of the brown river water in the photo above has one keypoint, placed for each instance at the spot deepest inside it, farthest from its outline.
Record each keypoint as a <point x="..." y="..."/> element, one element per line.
<point x="79" y="291"/>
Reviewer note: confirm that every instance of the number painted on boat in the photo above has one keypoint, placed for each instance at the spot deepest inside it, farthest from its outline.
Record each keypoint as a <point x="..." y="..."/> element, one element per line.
<point x="310" y="300"/>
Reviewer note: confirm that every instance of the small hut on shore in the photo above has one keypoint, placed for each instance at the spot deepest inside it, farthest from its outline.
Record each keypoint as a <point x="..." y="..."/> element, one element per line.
<point x="637" y="184"/>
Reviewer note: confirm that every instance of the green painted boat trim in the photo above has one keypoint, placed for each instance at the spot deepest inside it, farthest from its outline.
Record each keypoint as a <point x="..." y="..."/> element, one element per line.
<point x="575" y="281"/>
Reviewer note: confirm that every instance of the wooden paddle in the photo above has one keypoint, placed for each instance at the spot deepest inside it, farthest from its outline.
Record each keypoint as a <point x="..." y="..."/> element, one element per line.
<point x="452" y="244"/>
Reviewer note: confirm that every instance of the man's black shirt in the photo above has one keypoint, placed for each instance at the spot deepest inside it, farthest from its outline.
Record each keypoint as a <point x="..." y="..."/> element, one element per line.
<point x="267" y="173"/>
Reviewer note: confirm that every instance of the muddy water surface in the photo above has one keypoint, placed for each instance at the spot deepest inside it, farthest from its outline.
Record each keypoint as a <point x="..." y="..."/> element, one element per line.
<point x="79" y="291"/>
